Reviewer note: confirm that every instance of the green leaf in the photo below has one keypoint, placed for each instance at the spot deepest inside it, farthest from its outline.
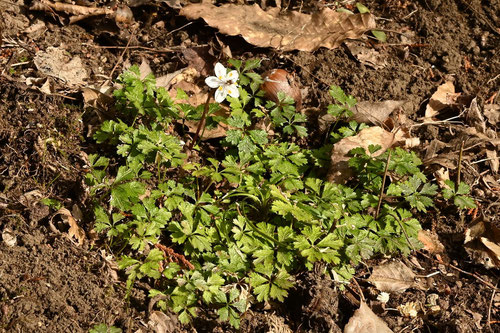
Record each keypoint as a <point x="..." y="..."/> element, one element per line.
<point x="124" y="196"/>
<point x="362" y="8"/>
<point x="380" y="35"/>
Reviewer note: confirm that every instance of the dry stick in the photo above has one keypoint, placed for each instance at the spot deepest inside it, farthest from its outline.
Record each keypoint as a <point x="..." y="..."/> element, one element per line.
<point x="132" y="34"/>
<point x="361" y="295"/>
<point x="459" y="167"/>
<point x="200" y="124"/>
<point x="489" y="307"/>
<point x="486" y="283"/>
<point x="383" y="185"/>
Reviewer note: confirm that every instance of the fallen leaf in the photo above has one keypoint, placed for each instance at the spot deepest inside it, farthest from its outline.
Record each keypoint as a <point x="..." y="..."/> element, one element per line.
<point x="365" y="320"/>
<point x="159" y="322"/>
<point x="366" y="55"/>
<point x="492" y="113"/>
<point x="482" y="242"/>
<point x="74" y="230"/>
<point x="287" y="31"/>
<point x="375" y="112"/>
<point x="339" y="170"/>
<point x="58" y="63"/>
<point x="431" y="241"/>
<point x="392" y="277"/>
<point x="409" y="309"/>
<point x="442" y="175"/>
<point x="475" y="117"/>
<point x="8" y="237"/>
<point x="200" y="59"/>
<point x="443" y="97"/>
<point x="493" y="161"/>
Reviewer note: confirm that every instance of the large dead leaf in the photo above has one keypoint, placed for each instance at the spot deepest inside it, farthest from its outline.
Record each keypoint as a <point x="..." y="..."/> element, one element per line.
<point x="284" y="31"/>
<point x="339" y="169"/>
<point x="365" y="320"/>
<point x="393" y="277"/>
<point x="492" y="113"/>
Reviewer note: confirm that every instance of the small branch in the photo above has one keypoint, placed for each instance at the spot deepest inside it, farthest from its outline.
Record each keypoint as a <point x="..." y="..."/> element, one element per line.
<point x="381" y="195"/>
<point x="459" y="168"/>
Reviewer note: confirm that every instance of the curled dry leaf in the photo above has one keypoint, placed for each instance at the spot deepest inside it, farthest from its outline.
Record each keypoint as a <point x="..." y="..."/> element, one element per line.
<point x="74" y="230"/>
<point x="284" y="31"/>
<point x="393" y="277"/>
<point x="431" y="241"/>
<point x="443" y="97"/>
<point x="339" y="170"/>
<point x="366" y="321"/>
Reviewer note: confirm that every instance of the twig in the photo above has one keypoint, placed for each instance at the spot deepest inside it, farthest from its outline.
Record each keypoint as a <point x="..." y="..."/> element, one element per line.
<point x="459" y="167"/>
<point x="383" y="184"/>
<point x="486" y="283"/>
<point x="120" y="59"/>
<point x="489" y="308"/>
<point x="361" y="295"/>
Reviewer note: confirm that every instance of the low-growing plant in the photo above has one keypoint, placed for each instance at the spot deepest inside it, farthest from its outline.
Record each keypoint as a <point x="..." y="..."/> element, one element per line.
<point x="230" y="232"/>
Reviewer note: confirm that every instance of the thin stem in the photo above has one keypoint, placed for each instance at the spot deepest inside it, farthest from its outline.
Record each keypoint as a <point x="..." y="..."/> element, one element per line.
<point x="381" y="195"/>
<point x="200" y="124"/>
<point x="459" y="168"/>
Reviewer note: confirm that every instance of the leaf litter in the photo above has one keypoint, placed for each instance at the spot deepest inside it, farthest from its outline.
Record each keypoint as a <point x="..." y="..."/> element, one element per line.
<point x="287" y="31"/>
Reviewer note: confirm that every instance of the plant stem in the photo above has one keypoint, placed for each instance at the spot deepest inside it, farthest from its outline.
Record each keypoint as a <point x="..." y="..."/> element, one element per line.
<point x="381" y="195"/>
<point x="200" y="124"/>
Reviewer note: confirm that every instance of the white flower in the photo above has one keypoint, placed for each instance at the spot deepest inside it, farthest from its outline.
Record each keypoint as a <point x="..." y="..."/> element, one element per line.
<point x="383" y="297"/>
<point x="224" y="82"/>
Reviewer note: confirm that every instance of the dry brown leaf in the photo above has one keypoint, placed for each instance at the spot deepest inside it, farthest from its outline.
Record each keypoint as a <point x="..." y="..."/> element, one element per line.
<point x="339" y="170"/>
<point x="393" y="277"/>
<point x="475" y="117"/>
<point x="492" y="113"/>
<point x="74" y="230"/>
<point x="493" y="161"/>
<point x="443" y="97"/>
<point x="160" y="322"/>
<point x="482" y="241"/>
<point x="365" y="320"/>
<point x="283" y="31"/>
<point x="58" y="63"/>
<point x="442" y="175"/>
<point x="375" y="112"/>
<point x="8" y="237"/>
<point x="366" y="55"/>
<point x="431" y="241"/>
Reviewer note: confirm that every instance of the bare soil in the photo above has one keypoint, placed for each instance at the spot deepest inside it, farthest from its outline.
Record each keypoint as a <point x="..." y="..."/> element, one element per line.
<point x="50" y="284"/>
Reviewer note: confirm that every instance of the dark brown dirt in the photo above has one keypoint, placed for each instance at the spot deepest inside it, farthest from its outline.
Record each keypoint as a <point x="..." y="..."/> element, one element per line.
<point x="49" y="284"/>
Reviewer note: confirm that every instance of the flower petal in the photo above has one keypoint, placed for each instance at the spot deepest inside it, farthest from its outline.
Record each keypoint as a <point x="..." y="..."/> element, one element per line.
<point x="232" y="90"/>
<point x="232" y="76"/>
<point x="220" y="71"/>
<point x="213" y="82"/>
<point x="220" y="94"/>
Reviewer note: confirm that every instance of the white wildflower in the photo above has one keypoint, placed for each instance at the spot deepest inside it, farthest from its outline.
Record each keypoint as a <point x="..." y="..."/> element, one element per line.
<point x="224" y="82"/>
<point x="383" y="297"/>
